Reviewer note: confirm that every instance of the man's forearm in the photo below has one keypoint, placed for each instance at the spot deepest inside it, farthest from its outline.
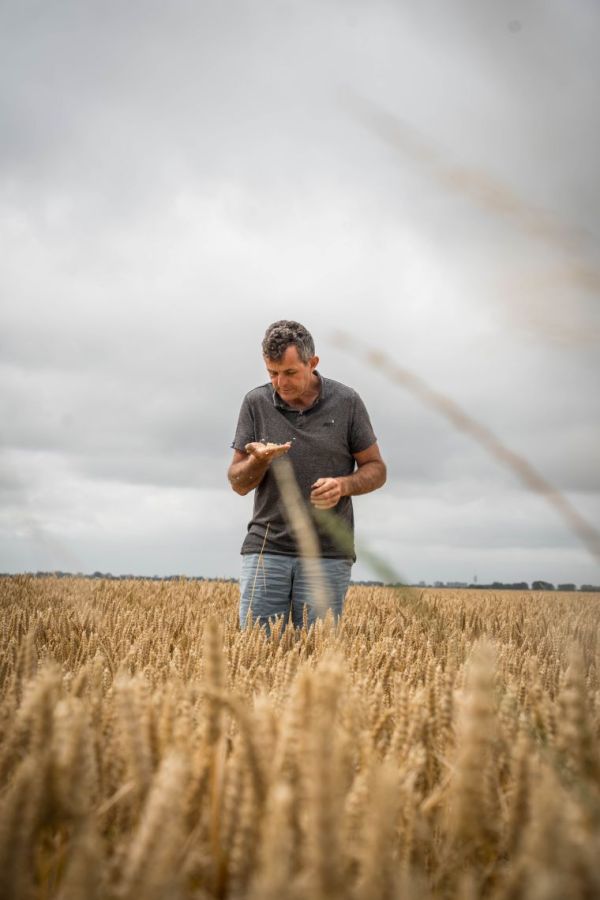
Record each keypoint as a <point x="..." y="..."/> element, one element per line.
<point x="247" y="474"/>
<point x="367" y="478"/>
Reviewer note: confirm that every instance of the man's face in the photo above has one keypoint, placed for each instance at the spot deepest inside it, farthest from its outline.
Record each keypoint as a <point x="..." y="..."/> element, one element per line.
<point x="291" y="377"/>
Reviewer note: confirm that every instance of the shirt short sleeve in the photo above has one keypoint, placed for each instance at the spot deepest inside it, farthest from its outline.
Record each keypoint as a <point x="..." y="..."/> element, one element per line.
<point x="362" y="435"/>
<point x="245" y="431"/>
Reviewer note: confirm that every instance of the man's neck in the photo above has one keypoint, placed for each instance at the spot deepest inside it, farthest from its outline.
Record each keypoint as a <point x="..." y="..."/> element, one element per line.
<point x="309" y="397"/>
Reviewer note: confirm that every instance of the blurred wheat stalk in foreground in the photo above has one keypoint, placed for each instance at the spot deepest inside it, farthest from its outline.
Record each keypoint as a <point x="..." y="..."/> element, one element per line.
<point x="493" y="445"/>
<point x="557" y="304"/>
<point x="440" y="748"/>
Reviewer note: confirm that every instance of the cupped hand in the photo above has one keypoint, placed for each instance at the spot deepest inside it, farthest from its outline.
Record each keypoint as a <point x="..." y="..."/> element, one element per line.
<point x="266" y="452"/>
<point x="326" y="493"/>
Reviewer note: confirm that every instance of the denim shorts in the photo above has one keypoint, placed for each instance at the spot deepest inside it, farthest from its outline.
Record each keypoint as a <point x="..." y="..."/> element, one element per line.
<point x="274" y="585"/>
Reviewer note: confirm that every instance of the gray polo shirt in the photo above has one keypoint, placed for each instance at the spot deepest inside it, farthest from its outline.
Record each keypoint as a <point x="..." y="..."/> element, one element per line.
<point x="324" y="439"/>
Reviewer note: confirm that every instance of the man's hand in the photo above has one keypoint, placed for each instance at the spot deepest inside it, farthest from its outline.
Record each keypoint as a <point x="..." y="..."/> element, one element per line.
<point x="266" y="452"/>
<point x="326" y="492"/>
<point x="249" y="466"/>
<point x="370" y="475"/>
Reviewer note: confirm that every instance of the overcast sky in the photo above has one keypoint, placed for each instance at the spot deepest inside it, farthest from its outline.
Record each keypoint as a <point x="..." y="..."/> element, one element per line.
<point x="176" y="176"/>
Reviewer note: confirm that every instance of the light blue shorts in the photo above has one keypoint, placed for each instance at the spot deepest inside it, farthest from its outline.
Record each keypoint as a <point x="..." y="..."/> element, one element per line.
<point x="275" y="585"/>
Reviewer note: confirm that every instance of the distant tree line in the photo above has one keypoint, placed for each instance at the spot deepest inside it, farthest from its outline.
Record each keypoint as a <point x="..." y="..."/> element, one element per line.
<point x="108" y="576"/>
<point x="493" y="586"/>
<point x="515" y="586"/>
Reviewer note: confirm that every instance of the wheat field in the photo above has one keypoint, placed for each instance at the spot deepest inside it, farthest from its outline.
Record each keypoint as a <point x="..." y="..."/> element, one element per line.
<point x="436" y="744"/>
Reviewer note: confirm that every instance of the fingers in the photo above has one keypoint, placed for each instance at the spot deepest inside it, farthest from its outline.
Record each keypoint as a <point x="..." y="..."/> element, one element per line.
<point x="274" y="452"/>
<point x="325" y="493"/>
<point x="321" y="487"/>
<point x="279" y="451"/>
<point x="263" y="451"/>
<point x="323" y="502"/>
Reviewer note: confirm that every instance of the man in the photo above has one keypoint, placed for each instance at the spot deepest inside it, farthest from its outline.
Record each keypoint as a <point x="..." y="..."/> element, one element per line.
<point x="324" y="428"/>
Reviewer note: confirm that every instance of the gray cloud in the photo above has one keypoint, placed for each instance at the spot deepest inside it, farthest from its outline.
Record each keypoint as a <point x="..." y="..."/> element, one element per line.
<point x="172" y="179"/>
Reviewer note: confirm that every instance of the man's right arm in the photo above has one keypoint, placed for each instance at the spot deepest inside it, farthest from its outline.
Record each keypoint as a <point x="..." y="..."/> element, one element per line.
<point x="247" y="469"/>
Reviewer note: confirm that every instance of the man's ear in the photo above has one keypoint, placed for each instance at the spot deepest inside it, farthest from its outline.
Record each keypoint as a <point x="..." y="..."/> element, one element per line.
<point x="314" y="362"/>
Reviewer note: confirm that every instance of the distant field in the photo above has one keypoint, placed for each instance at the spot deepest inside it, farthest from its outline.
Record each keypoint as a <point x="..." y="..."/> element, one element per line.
<point x="439" y="744"/>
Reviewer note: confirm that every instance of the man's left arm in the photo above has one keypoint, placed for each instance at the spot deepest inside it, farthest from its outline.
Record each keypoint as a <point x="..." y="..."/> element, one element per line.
<point x="370" y="475"/>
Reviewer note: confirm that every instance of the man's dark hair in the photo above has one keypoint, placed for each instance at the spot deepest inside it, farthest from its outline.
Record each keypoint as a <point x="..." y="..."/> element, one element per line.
<point x="280" y="335"/>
